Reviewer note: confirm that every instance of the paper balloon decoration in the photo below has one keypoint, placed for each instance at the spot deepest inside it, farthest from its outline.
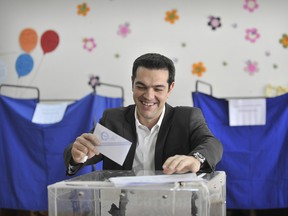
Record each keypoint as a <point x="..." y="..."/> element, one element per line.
<point x="49" y="41"/>
<point x="24" y="65"/>
<point x="28" y="39"/>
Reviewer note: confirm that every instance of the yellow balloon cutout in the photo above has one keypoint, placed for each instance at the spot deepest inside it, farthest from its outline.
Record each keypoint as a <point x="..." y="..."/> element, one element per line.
<point x="28" y="39"/>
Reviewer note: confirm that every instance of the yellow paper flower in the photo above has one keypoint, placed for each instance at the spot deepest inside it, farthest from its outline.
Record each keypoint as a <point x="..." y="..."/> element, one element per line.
<point x="83" y="9"/>
<point x="198" y="69"/>
<point x="171" y="16"/>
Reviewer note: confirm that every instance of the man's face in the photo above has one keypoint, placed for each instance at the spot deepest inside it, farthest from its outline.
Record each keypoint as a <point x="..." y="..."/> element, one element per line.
<point x="150" y="92"/>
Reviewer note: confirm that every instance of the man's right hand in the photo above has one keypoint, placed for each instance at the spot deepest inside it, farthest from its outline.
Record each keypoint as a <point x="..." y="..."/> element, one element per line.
<point x="85" y="145"/>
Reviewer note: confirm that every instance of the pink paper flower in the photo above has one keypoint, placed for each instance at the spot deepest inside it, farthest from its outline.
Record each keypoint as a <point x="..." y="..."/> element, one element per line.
<point x="89" y="44"/>
<point x="124" y="30"/>
<point x="251" y="67"/>
<point x="250" y="5"/>
<point x="252" y="35"/>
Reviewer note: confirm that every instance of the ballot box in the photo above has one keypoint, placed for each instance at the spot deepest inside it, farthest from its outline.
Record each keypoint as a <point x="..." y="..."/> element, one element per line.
<point x="126" y="193"/>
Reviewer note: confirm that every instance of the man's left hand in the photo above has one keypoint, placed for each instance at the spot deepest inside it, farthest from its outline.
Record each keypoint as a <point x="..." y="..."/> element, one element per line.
<point x="181" y="164"/>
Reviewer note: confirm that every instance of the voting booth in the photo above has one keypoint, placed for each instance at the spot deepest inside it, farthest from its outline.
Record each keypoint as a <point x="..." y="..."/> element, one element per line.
<point x="126" y="193"/>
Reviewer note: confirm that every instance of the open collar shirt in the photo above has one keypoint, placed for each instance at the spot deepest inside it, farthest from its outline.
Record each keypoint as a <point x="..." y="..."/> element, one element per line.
<point x="146" y="140"/>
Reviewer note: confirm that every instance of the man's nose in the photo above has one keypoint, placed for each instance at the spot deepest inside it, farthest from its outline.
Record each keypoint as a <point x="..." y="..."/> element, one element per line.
<point x="149" y="93"/>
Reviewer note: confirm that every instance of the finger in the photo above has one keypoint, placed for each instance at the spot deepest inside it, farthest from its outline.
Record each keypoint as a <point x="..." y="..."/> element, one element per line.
<point x="168" y="162"/>
<point x="181" y="164"/>
<point x="95" y="142"/>
<point x="175" y="162"/>
<point x="92" y="138"/>
<point x="87" y="142"/>
<point x="188" y="163"/>
<point x="78" y="152"/>
<point x="83" y="146"/>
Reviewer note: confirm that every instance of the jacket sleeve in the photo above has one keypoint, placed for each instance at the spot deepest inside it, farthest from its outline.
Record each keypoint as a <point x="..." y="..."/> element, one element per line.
<point x="204" y="141"/>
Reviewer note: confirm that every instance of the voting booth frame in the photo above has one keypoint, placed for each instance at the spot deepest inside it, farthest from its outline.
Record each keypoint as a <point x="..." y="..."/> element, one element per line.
<point x="93" y="194"/>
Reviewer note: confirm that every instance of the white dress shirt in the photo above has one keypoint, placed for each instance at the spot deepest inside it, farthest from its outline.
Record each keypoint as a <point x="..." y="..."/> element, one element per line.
<point x="144" y="159"/>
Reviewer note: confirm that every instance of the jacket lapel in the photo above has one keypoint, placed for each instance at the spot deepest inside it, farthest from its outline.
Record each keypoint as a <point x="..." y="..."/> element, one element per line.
<point x="129" y="131"/>
<point x="162" y="136"/>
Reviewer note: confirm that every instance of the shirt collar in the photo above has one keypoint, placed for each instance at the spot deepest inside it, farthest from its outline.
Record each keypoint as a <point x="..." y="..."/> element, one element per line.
<point x="159" y="122"/>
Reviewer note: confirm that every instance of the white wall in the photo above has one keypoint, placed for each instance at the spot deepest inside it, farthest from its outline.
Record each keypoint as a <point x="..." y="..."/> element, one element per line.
<point x="64" y="73"/>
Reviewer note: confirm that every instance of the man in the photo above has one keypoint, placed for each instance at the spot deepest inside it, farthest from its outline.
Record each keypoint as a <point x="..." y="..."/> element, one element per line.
<point x="172" y="139"/>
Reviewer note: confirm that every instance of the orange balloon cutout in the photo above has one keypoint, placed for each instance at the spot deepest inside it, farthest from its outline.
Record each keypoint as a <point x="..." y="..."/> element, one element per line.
<point x="49" y="41"/>
<point x="28" y="39"/>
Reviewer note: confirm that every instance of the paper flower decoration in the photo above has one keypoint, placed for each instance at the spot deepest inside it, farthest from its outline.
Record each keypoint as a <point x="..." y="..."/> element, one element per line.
<point x="284" y="40"/>
<point x="83" y="9"/>
<point x="214" y="22"/>
<point x="251" y="67"/>
<point x="198" y="69"/>
<point x="250" y="5"/>
<point x="171" y="16"/>
<point x="94" y="81"/>
<point x="124" y="30"/>
<point x="89" y="44"/>
<point x="252" y="35"/>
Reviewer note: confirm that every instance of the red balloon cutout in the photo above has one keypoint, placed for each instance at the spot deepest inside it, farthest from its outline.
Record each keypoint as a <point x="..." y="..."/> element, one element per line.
<point x="49" y="41"/>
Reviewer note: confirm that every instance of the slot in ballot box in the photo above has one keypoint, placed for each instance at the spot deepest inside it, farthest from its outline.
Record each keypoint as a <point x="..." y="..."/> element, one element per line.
<point x="95" y="194"/>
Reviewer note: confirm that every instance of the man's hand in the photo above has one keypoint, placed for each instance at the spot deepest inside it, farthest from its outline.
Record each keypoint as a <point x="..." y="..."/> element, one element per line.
<point x="84" y="145"/>
<point x="181" y="164"/>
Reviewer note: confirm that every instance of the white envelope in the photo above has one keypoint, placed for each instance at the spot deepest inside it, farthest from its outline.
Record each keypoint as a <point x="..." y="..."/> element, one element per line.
<point x="154" y="179"/>
<point x="112" y="145"/>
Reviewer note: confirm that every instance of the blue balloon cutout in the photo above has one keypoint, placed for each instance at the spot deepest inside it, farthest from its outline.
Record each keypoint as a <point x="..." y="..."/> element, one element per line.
<point x="24" y="64"/>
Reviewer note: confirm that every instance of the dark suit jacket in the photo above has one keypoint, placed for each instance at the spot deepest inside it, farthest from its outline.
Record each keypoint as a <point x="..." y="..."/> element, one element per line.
<point x="183" y="131"/>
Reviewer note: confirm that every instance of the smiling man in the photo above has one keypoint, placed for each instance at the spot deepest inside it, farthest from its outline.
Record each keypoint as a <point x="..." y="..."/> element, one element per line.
<point x="171" y="139"/>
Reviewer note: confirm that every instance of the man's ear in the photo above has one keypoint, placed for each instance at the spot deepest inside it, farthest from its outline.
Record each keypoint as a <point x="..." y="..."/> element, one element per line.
<point x="171" y="87"/>
<point x="132" y="80"/>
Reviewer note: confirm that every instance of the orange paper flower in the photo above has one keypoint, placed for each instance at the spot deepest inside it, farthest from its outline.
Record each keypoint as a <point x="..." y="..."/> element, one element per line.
<point x="83" y="9"/>
<point x="284" y="40"/>
<point x="171" y="16"/>
<point x="198" y="69"/>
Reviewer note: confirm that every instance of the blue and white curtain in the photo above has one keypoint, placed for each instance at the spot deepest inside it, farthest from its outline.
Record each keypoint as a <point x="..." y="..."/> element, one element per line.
<point x="255" y="158"/>
<point x="31" y="155"/>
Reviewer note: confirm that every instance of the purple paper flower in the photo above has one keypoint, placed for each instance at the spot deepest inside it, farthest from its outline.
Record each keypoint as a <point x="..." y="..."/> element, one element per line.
<point x="214" y="22"/>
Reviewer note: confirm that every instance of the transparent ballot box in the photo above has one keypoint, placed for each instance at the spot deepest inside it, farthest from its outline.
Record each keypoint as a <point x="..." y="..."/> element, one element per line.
<point x="95" y="194"/>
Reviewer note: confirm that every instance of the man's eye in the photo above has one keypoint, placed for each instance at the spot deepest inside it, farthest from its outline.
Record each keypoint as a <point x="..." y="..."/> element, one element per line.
<point x="158" y="90"/>
<point x="140" y="87"/>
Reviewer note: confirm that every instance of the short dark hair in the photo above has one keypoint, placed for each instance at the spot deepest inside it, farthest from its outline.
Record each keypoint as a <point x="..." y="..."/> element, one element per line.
<point x="154" y="61"/>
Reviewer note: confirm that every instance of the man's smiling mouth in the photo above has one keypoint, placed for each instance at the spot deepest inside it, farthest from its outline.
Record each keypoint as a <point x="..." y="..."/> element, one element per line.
<point x="148" y="104"/>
